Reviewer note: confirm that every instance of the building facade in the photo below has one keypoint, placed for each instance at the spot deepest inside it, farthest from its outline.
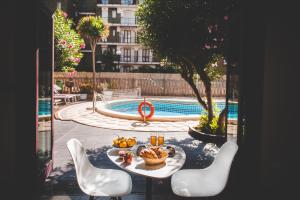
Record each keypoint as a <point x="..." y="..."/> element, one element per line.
<point x="123" y="33"/>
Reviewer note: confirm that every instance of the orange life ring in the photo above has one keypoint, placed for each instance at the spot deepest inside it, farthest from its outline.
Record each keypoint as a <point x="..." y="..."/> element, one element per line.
<point x="150" y="105"/>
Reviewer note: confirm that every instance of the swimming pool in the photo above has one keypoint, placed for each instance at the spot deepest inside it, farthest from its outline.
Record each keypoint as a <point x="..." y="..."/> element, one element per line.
<point x="44" y="107"/>
<point x="165" y="109"/>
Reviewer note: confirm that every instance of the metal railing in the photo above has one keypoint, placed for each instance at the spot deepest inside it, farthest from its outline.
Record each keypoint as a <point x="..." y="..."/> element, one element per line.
<point x="121" y="39"/>
<point x="139" y="59"/>
<point x="120" y="2"/>
<point x="121" y="20"/>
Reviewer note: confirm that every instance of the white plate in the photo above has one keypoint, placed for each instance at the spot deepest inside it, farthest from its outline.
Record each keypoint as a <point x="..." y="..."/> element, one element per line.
<point x="122" y="149"/>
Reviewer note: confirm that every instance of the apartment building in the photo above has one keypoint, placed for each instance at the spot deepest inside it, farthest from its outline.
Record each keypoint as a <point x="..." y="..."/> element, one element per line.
<point x="123" y="37"/>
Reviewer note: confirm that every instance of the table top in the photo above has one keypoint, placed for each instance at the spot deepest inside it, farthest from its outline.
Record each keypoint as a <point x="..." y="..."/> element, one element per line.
<point x="159" y="171"/>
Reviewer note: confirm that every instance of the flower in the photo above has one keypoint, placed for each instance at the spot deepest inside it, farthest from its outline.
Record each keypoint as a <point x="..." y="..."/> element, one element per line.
<point x="77" y="60"/>
<point x="82" y="46"/>
<point x="226" y="17"/>
<point x="62" y="42"/>
<point x="206" y="46"/>
<point x="70" y="46"/>
<point x="65" y="14"/>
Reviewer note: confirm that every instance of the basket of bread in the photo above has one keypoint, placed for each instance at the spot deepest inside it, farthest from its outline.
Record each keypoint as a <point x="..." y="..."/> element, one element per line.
<point x="153" y="155"/>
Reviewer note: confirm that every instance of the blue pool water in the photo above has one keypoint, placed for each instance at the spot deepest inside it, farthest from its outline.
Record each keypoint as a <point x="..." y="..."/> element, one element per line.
<point x="44" y="106"/>
<point x="163" y="108"/>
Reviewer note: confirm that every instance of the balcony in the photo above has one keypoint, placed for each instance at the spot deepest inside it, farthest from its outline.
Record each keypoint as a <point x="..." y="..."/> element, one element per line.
<point x="118" y="2"/>
<point x="115" y="40"/>
<point x="121" y="21"/>
<point x="138" y="60"/>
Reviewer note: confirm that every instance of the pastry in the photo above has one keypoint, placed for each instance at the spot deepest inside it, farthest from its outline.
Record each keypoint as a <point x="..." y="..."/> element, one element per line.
<point x="148" y="153"/>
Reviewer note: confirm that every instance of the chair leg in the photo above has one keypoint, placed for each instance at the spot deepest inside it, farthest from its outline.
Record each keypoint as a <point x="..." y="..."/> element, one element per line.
<point x="91" y="198"/>
<point x="115" y="198"/>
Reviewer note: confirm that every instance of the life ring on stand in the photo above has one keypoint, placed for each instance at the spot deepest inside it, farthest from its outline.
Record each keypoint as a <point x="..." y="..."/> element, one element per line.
<point x="150" y="105"/>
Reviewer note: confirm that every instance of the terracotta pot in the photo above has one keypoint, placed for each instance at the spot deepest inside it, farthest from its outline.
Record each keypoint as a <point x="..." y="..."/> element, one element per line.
<point x="69" y="84"/>
<point x="205" y="137"/>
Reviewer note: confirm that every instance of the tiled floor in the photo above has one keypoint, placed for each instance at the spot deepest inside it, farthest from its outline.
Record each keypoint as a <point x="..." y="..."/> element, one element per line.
<point x="62" y="185"/>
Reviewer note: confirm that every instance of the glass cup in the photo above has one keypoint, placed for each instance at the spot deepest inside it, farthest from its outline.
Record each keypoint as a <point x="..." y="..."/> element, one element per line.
<point x="153" y="139"/>
<point x="160" y="139"/>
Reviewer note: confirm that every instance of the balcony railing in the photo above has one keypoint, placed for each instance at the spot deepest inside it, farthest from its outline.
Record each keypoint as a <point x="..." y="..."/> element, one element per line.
<point x="130" y="40"/>
<point x="138" y="59"/>
<point x="119" y="2"/>
<point x="121" y="20"/>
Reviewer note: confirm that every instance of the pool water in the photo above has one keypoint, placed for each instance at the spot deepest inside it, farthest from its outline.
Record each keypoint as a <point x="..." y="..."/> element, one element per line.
<point x="164" y="108"/>
<point x="44" y="107"/>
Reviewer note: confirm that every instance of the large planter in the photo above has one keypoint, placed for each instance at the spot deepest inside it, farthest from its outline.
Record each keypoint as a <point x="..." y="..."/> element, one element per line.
<point x="209" y="138"/>
<point x="69" y="83"/>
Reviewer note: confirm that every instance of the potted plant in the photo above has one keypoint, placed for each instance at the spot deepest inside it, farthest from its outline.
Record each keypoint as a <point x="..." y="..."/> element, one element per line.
<point x="85" y="89"/>
<point x="209" y="131"/>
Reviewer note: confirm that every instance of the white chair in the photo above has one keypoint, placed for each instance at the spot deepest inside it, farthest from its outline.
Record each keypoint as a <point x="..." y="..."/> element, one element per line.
<point x="97" y="182"/>
<point x="209" y="181"/>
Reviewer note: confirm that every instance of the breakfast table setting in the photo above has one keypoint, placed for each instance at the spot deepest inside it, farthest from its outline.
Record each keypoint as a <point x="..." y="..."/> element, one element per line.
<point x="153" y="160"/>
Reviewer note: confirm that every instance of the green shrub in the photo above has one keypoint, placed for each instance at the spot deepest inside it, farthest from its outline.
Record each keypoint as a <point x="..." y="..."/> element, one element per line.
<point x="86" y="88"/>
<point x="212" y="127"/>
<point x="68" y="43"/>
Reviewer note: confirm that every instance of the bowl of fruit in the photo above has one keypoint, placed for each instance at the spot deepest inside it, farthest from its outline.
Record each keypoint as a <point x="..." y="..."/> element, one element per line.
<point x="124" y="143"/>
<point x="153" y="155"/>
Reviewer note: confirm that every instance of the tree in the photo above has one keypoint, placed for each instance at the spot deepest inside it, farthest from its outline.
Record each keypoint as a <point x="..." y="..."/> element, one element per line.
<point x="68" y="43"/>
<point x="93" y="29"/>
<point x="191" y="35"/>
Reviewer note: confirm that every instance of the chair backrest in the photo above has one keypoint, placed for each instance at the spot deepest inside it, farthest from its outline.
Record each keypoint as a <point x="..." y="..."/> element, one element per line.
<point x="221" y="165"/>
<point x="80" y="159"/>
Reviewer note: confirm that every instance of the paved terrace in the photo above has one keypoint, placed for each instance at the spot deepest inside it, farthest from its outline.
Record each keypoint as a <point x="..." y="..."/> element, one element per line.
<point x="62" y="184"/>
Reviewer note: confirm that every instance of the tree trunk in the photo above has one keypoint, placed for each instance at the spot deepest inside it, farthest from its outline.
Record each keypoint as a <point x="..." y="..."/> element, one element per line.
<point x="196" y="91"/>
<point x="93" y="47"/>
<point x="222" y="119"/>
<point x="207" y="85"/>
<point x="187" y="75"/>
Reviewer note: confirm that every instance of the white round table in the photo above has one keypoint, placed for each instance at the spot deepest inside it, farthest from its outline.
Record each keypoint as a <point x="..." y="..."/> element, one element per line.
<point x="160" y="171"/>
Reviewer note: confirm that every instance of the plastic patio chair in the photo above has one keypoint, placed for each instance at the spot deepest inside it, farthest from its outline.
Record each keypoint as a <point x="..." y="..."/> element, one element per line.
<point x="97" y="182"/>
<point x="209" y="181"/>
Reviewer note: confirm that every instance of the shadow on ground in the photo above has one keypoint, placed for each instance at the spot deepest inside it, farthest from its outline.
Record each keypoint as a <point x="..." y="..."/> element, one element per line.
<point x="62" y="181"/>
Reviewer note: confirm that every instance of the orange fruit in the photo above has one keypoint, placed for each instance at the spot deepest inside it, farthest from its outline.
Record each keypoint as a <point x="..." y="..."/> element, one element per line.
<point x="123" y="144"/>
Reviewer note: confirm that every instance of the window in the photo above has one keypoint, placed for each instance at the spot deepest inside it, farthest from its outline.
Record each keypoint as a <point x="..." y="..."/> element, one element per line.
<point x="127" y="2"/>
<point x="146" y="55"/>
<point x="126" y="55"/>
<point x="114" y="14"/>
<point x="127" y="36"/>
<point x="136" y="56"/>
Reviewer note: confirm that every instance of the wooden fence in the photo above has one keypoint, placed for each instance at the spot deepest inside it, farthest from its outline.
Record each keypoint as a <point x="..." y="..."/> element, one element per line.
<point x="151" y="84"/>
